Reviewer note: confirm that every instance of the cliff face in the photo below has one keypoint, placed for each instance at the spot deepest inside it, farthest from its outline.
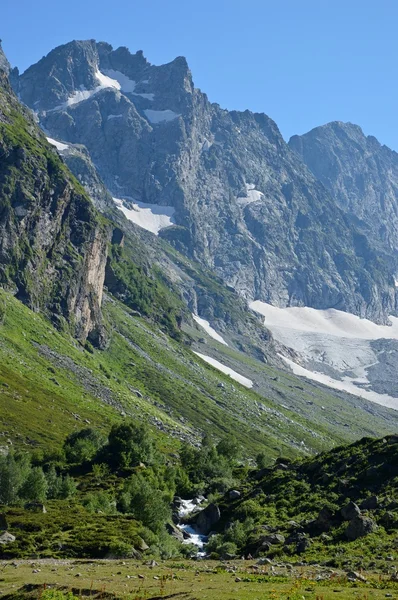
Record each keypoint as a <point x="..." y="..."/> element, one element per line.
<point x="245" y="204"/>
<point x="360" y="173"/>
<point x="53" y="244"/>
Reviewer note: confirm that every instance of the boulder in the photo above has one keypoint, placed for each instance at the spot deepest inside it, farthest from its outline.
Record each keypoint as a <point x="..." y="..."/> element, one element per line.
<point x="350" y="511"/>
<point x="370" y="503"/>
<point x="206" y="518"/>
<point x="234" y="494"/>
<point x="35" y="507"/>
<point x="303" y="545"/>
<point x="359" y="527"/>
<point x="175" y="532"/>
<point x="274" y="538"/>
<point x="6" y="538"/>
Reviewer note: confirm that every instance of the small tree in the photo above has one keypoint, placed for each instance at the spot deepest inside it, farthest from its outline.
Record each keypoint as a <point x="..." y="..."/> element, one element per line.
<point x="129" y="444"/>
<point x="14" y="469"/>
<point x="35" y="486"/>
<point x="81" y="446"/>
<point x="147" y="503"/>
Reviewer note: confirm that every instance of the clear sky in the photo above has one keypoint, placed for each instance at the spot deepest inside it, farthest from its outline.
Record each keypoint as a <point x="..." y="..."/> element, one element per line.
<point x="303" y="62"/>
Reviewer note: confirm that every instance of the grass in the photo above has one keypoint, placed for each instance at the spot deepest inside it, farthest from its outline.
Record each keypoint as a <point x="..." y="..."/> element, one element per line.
<point x="144" y="373"/>
<point x="187" y="580"/>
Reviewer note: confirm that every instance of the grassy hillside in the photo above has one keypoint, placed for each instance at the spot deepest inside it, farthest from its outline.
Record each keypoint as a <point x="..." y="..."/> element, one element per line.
<point x="339" y="509"/>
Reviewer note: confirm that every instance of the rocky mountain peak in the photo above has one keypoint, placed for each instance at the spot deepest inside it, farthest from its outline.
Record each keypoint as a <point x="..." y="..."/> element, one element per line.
<point x="360" y="173"/>
<point x="4" y="64"/>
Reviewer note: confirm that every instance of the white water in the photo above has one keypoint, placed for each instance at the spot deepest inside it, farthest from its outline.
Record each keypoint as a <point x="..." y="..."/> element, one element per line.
<point x="195" y="538"/>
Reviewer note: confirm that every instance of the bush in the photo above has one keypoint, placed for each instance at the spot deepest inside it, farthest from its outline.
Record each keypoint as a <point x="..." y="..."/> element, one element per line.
<point x="146" y="503"/>
<point x="129" y="444"/>
<point x="81" y="446"/>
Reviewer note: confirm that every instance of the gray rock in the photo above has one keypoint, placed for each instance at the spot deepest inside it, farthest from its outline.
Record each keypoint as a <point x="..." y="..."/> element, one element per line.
<point x="207" y="518"/>
<point x="175" y="532"/>
<point x="360" y="526"/>
<point x="7" y="538"/>
<point x="350" y="511"/>
<point x="234" y="494"/>
<point x="370" y="503"/>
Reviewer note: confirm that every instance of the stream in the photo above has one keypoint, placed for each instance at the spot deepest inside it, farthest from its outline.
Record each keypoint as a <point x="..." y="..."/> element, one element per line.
<point x="195" y="538"/>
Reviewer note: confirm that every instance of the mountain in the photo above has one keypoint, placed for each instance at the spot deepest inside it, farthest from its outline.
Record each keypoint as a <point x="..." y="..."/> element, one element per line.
<point x="224" y="186"/>
<point x="53" y="244"/>
<point x="362" y="176"/>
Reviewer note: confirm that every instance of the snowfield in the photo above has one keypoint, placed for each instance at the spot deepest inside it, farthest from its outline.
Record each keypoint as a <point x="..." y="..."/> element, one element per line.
<point x="233" y="374"/>
<point x="59" y="145"/>
<point x="152" y="217"/>
<point x="334" y="348"/>
<point x="209" y="329"/>
<point x="160" y="116"/>
<point x="109" y="79"/>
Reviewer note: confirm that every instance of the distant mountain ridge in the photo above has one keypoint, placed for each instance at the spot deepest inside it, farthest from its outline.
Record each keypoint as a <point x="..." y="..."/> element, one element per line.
<point x="245" y="204"/>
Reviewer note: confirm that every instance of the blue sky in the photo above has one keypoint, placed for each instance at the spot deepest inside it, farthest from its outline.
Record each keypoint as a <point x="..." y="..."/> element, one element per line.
<point x="303" y="62"/>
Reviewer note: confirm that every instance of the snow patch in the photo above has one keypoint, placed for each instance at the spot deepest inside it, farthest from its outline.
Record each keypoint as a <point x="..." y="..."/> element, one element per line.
<point x="233" y="374"/>
<point x="334" y="347"/>
<point x="152" y="217"/>
<point x="331" y="321"/>
<point x="160" y="116"/>
<point x="59" y="145"/>
<point x="346" y="385"/>
<point x="252" y="195"/>
<point x="116" y="79"/>
<point x="209" y="329"/>
<point x="110" y="117"/>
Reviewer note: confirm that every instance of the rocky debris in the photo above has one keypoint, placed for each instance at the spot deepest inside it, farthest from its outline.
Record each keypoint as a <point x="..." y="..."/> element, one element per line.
<point x="360" y="526"/>
<point x="7" y="538"/>
<point x="207" y="518"/>
<point x="350" y="511"/>
<point x="82" y="374"/>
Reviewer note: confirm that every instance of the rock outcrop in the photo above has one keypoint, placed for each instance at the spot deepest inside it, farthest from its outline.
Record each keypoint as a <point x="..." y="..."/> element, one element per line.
<point x="362" y="176"/>
<point x="53" y="243"/>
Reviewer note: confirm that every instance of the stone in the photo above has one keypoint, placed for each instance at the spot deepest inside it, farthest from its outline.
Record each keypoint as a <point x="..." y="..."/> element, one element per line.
<point x="209" y="155"/>
<point x="370" y="503"/>
<point x="234" y="494"/>
<point x="207" y="518"/>
<point x="350" y="511"/>
<point x="175" y="532"/>
<point x="274" y="538"/>
<point x="360" y="526"/>
<point x="354" y="576"/>
<point x="7" y="538"/>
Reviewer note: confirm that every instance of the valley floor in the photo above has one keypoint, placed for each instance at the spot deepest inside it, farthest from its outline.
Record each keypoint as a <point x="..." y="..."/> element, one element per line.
<point x="190" y="580"/>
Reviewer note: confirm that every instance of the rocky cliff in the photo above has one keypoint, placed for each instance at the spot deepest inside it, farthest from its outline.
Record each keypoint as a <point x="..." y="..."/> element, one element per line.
<point x="245" y="204"/>
<point x="53" y="243"/>
<point x="360" y="173"/>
